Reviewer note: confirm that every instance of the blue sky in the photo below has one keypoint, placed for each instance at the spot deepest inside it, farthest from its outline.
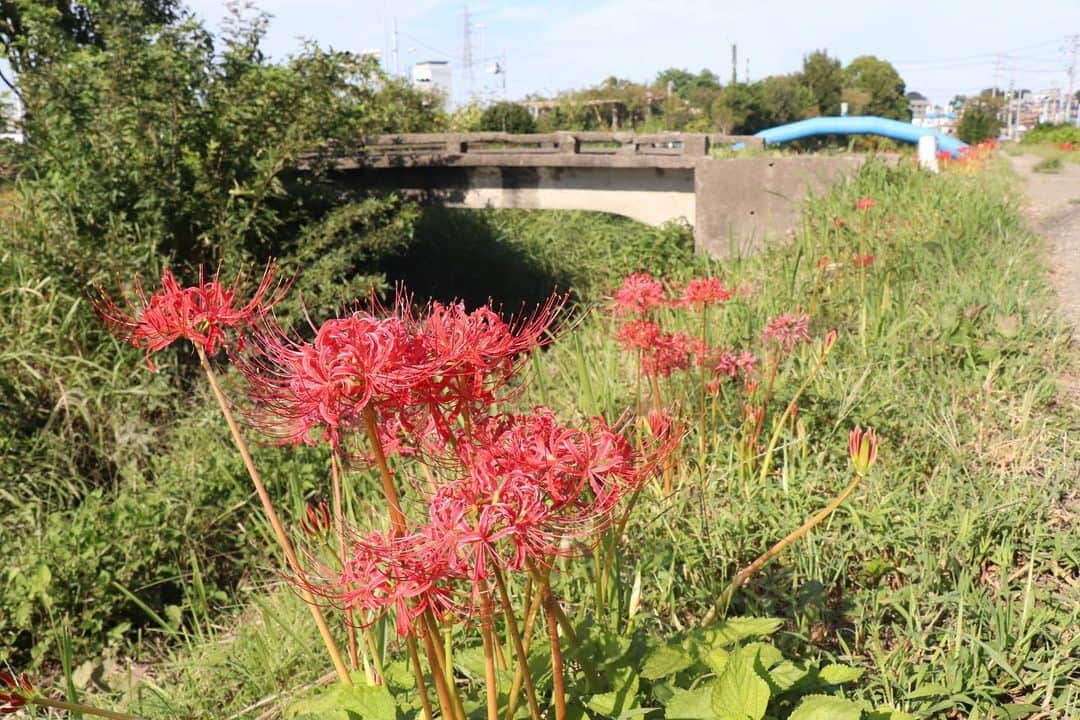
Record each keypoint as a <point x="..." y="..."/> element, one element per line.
<point x="940" y="47"/>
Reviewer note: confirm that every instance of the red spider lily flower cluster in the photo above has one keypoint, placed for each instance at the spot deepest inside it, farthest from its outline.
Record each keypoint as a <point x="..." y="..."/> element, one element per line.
<point x="863" y="261"/>
<point x="18" y="693"/>
<point x="731" y="365"/>
<point x="862" y="448"/>
<point x="864" y="203"/>
<point x="525" y="489"/>
<point x="971" y="158"/>
<point x="419" y="375"/>
<point x="662" y="352"/>
<point x="639" y="294"/>
<point x="203" y="313"/>
<point x="787" y="330"/>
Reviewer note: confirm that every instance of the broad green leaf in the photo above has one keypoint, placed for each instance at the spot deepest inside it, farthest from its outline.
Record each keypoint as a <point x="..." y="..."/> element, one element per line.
<point x="740" y="693"/>
<point x="620" y="700"/>
<point x="767" y="655"/>
<point x="785" y="675"/>
<point x="836" y="674"/>
<point x="693" y="704"/>
<point x="717" y="659"/>
<point x="826" y="707"/>
<point x="928" y="690"/>
<point x="887" y="713"/>
<point x="343" y="702"/>
<point x="732" y="630"/>
<point x="665" y="660"/>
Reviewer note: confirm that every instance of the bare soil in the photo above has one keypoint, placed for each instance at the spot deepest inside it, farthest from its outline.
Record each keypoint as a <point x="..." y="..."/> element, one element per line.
<point x="1054" y="212"/>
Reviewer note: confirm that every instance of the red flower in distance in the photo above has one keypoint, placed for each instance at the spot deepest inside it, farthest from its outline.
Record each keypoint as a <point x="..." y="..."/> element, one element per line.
<point x="638" y="334"/>
<point x="865" y="203"/>
<point x="639" y="293"/>
<point x="670" y="352"/>
<point x="19" y="692"/>
<point x="787" y="330"/>
<point x="702" y="292"/>
<point x="201" y="313"/>
<point x="863" y="261"/>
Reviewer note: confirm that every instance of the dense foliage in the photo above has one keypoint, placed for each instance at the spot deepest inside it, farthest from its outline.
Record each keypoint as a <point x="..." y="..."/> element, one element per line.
<point x="682" y="100"/>
<point x="1052" y="133"/>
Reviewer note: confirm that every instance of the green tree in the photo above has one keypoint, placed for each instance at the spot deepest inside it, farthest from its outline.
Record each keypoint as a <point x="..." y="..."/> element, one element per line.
<point x="163" y="143"/>
<point x="823" y="76"/>
<point x="883" y="86"/>
<point x="33" y="31"/>
<point x="507" y="117"/>
<point x="784" y="99"/>
<point x="979" y="122"/>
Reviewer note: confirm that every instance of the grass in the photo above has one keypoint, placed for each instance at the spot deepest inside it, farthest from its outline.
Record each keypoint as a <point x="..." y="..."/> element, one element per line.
<point x="1048" y="165"/>
<point x="950" y="577"/>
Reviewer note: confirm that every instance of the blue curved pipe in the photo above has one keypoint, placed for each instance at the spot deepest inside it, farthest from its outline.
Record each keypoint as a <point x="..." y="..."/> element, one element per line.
<point x="859" y="125"/>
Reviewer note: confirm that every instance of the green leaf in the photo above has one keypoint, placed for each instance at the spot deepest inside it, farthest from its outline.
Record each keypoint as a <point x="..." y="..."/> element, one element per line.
<point x="887" y="713"/>
<point x="666" y="660"/>
<point x="784" y="675"/>
<point x="693" y="704"/>
<point x="620" y="700"/>
<point x="732" y="630"/>
<point x="836" y="674"/>
<point x="346" y="702"/>
<point x="717" y="659"/>
<point x="740" y="693"/>
<point x="826" y="707"/>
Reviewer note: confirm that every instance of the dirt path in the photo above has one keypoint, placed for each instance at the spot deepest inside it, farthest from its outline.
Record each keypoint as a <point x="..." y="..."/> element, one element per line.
<point x="1054" y="210"/>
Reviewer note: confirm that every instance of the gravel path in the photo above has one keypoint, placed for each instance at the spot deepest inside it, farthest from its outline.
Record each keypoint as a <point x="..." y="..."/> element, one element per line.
<point x="1054" y="210"/>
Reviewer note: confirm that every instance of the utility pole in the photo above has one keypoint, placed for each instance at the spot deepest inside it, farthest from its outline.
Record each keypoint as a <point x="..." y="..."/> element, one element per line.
<point x="397" y="69"/>
<point x="1009" y="109"/>
<point x="467" y="54"/>
<point x="1073" y="42"/>
<point x="734" y="62"/>
<point x="997" y="74"/>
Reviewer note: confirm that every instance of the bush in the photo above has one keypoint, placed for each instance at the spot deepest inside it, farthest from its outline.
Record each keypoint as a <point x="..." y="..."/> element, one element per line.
<point x="507" y="117"/>
<point x="1048" y="165"/>
<point x="1051" y="133"/>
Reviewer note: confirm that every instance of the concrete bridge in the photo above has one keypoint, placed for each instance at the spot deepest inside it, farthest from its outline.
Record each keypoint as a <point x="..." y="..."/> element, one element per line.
<point x="733" y="204"/>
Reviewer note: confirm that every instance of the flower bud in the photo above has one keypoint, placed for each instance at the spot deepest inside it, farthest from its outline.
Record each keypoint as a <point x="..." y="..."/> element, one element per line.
<point x="317" y="522"/>
<point x="862" y="446"/>
<point x="19" y="692"/>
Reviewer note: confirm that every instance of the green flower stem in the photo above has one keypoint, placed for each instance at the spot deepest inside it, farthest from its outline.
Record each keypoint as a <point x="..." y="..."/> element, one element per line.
<point x="418" y="672"/>
<point x="339" y="524"/>
<point x="722" y="602"/>
<point x="275" y="523"/>
<point x="766" y="462"/>
<point x="519" y="647"/>
<point x="397" y="518"/>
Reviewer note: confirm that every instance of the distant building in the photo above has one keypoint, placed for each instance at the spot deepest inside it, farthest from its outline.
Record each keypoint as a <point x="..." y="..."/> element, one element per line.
<point x="918" y="105"/>
<point x="433" y="76"/>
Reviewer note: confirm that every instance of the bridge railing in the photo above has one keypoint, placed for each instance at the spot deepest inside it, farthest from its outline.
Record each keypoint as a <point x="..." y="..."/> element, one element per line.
<point x="685" y="145"/>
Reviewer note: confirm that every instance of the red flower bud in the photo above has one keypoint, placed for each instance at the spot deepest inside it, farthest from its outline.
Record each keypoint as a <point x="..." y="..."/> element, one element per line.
<point x="862" y="447"/>
<point x="317" y="522"/>
<point x="19" y="692"/>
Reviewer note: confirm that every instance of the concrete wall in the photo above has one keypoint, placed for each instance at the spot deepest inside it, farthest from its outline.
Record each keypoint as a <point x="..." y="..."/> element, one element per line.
<point x="743" y="202"/>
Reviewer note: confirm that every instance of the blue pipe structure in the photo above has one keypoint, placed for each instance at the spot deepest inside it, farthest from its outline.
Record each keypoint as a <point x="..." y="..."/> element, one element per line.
<point x="859" y="125"/>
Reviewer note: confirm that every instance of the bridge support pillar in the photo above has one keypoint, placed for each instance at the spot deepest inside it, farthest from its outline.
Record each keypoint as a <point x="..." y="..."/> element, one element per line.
<point x="742" y="203"/>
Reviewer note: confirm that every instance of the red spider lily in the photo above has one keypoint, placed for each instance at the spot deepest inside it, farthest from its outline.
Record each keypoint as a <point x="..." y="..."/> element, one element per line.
<point x="865" y="203"/>
<point x="728" y="363"/>
<point x="530" y="483"/>
<point x="307" y="391"/>
<point x="639" y="293"/>
<point x="638" y="334"/>
<point x="405" y="575"/>
<point x="201" y="313"/>
<point x="863" y="261"/>
<point x="471" y="355"/>
<point x="702" y="292"/>
<point x="669" y="353"/>
<point x="787" y="330"/>
<point x="838" y="223"/>
<point x="862" y="448"/>
<point x="19" y="692"/>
